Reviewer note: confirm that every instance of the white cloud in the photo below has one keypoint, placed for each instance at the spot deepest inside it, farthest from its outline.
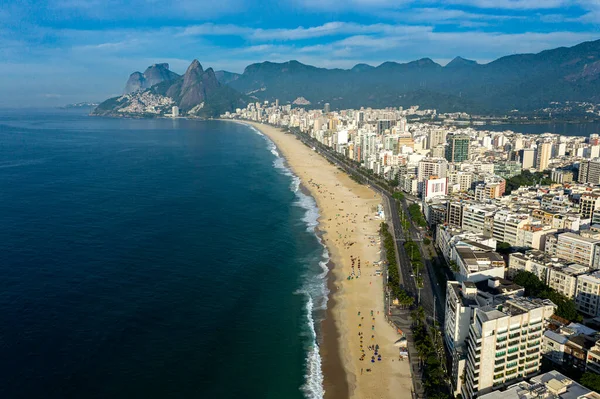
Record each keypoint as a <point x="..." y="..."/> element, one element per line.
<point x="370" y="5"/>
<point x="300" y="33"/>
<point x="512" y="4"/>
<point x="433" y="15"/>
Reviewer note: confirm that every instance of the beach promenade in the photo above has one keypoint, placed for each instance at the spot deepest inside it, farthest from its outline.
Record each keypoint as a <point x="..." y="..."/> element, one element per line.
<point x="359" y="358"/>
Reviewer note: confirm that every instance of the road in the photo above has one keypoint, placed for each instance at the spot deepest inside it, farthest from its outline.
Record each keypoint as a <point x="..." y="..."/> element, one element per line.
<point x="431" y="292"/>
<point x="431" y="296"/>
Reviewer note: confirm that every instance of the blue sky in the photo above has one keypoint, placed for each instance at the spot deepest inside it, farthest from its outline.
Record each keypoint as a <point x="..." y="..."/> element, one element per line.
<point x="54" y="52"/>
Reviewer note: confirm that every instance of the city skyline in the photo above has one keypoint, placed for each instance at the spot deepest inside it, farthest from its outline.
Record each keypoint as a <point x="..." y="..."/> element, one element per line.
<point x="62" y="44"/>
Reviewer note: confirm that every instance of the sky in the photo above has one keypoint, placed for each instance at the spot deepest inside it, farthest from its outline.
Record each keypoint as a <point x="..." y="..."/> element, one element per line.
<point x="55" y="52"/>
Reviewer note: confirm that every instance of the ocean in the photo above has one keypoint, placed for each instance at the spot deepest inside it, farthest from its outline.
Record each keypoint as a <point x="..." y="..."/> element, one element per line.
<point x="154" y="258"/>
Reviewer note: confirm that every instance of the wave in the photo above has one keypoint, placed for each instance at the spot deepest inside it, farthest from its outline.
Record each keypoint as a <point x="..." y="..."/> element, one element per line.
<point x="314" y="287"/>
<point x="15" y="164"/>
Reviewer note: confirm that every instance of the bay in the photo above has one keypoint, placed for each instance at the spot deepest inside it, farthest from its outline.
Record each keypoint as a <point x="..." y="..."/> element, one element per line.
<point x="151" y="258"/>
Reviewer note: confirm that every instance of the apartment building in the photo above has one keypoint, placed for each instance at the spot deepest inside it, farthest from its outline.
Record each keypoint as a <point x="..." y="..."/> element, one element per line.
<point x="589" y="171"/>
<point x="431" y="167"/>
<point x="506" y="224"/>
<point x="573" y="248"/>
<point x="477" y="262"/>
<point x="562" y="176"/>
<point x="504" y="344"/>
<point x="588" y="203"/>
<point x="457" y="149"/>
<point x="454" y="213"/>
<point x="587" y="295"/>
<point x="488" y="191"/>
<point x="533" y="235"/>
<point x="534" y="261"/>
<point x="478" y="218"/>
<point x="569" y="346"/>
<point x="553" y="346"/>
<point x="447" y="237"/>
<point x="464" y="180"/>
<point x="564" y="279"/>
<point x="461" y="301"/>
<point x="593" y="358"/>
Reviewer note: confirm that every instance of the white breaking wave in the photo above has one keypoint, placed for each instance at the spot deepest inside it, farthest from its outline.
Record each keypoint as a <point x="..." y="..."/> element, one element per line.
<point x="315" y="285"/>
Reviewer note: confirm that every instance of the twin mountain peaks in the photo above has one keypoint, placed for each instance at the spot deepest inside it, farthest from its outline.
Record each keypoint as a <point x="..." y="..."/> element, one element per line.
<point x="524" y="82"/>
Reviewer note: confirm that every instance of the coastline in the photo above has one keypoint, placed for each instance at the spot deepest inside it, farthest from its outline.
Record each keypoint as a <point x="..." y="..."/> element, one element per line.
<point x="348" y="228"/>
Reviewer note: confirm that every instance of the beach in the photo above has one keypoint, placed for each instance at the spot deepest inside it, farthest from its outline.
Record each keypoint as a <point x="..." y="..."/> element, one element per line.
<point x="357" y="347"/>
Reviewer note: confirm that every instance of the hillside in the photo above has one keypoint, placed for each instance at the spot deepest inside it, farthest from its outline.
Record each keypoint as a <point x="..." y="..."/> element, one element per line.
<point x="196" y="93"/>
<point x="524" y="82"/>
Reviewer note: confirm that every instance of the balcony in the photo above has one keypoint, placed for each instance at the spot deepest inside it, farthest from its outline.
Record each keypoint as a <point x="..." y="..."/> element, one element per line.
<point x="500" y="354"/>
<point x="530" y="365"/>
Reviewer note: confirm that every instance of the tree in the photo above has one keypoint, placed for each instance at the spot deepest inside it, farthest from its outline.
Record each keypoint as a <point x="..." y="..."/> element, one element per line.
<point x="426" y="241"/>
<point x="532" y="284"/>
<point x="503" y="247"/>
<point x="591" y="381"/>
<point x="453" y="266"/>
<point x="398" y="195"/>
<point x="565" y="307"/>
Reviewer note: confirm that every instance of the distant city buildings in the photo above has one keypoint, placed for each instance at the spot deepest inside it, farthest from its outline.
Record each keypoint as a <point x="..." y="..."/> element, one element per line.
<point x="462" y="177"/>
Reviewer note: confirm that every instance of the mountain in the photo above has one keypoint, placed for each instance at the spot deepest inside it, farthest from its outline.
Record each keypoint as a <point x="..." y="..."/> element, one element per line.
<point x="225" y="77"/>
<point x="361" y="67"/>
<point x="460" y="62"/>
<point x="196" y="93"/>
<point x="523" y="81"/>
<point x="154" y="74"/>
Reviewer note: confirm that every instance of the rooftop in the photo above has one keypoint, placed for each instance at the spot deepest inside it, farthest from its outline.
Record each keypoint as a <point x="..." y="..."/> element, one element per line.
<point x="551" y="385"/>
<point x="498" y="286"/>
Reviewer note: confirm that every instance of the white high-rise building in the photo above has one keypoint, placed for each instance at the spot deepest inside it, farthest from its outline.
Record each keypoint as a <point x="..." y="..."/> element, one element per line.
<point x="462" y="299"/>
<point x="504" y="344"/>
<point x="543" y="155"/>
<point x="432" y="167"/>
<point x="175" y="111"/>
<point x="527" y="158"/>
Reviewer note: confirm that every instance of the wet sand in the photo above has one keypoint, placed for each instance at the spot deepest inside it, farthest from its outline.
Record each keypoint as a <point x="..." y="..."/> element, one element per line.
<point x="355" y="323"/>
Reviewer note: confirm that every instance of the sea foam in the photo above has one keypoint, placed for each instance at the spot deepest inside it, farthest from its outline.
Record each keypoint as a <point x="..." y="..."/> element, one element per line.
<point x="314" y="287"/>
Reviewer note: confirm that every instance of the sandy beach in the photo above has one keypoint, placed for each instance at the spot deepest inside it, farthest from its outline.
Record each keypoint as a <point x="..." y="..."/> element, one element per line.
<point x="356" y="320"/>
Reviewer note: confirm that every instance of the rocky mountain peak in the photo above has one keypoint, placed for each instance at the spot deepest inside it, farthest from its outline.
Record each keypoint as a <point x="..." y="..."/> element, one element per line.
<point x="460" y="61"/>
<point x="135" y="82"/>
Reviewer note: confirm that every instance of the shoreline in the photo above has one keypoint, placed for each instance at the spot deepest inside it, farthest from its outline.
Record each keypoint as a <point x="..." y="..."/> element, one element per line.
<point x="334" y="376"/>
<point x="354" y="319"/>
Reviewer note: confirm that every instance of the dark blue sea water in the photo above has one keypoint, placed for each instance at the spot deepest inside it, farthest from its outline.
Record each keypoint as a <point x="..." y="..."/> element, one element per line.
<point x="153" y="259"/>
